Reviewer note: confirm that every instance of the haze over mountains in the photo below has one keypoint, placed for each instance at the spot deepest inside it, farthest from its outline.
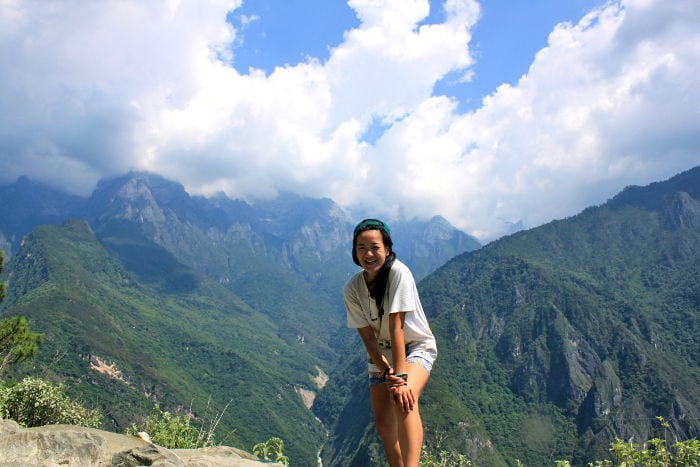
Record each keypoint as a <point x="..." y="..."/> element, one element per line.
<point x="552" y="340"/>
<point x="147" y="198"/>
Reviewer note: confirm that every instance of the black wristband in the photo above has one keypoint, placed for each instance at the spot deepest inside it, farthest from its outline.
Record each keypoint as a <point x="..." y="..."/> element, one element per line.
<point x="386" y="372"/>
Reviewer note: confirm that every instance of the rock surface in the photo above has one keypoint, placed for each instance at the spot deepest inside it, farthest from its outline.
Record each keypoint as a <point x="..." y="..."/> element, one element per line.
<point x="55" y="445"/>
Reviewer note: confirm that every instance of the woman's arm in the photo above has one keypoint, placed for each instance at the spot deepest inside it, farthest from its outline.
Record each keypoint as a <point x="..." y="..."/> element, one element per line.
<point x="372" y="347"/>
<point x="398" y="341"/>
<point x="400" y="388"/>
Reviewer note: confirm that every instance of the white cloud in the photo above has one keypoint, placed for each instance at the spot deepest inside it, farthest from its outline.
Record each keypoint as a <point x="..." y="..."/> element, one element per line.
<point x="83" y="86"/>
<point x="95" y="90"/>
<point x="613" y="100"/>
<point x="388" y="65"/>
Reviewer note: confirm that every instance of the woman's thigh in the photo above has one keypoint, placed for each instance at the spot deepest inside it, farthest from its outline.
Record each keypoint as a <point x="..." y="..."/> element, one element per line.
<point x="418" y="378"/>
<point x="383" y="407"/>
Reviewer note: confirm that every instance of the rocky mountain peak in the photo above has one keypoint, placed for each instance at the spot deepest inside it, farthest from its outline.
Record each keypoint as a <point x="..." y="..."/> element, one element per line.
<point x="137" y="196"/>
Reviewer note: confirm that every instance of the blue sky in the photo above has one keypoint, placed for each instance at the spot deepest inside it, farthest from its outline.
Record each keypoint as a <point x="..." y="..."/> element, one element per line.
<point x="490" y="113"/>
<point x="506" y="38"/>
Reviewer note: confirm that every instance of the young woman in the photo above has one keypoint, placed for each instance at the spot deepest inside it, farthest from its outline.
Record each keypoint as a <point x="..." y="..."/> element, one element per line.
<point x="383" y="305"/>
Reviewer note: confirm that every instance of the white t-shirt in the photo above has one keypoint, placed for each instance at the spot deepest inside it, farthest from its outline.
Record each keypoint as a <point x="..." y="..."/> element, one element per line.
<point x="401" y="295"/>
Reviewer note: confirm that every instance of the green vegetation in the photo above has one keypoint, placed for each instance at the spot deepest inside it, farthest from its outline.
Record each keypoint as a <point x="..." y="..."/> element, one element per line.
<point x="653" y="453"/>
<point x="17" y="341"/>
<point x="36" y="402"/>
<point x="33" y="401"/>
<point x="175" y="431"/>
<point x="271" y="450"/>
<point x="443" y="459"/>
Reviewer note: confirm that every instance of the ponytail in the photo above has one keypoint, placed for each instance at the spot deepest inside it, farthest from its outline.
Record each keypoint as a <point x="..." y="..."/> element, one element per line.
<point x="381" y="283"/>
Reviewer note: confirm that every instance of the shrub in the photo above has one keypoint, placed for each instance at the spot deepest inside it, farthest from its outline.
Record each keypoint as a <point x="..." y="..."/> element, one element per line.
<point x="172" y="431"/>
<point x="177" y="432"/>
<point x="36" y="402"/>
<point x="443" y="459"/>
<point x="654" y="453"/>
<point x="271" y="450"/>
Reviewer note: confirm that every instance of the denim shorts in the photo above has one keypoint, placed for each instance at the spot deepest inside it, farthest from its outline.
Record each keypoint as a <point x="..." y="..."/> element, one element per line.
<point x="414" y="354"/>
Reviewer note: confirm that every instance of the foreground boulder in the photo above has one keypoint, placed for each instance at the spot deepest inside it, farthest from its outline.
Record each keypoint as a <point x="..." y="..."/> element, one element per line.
<point x="55" y="445"/>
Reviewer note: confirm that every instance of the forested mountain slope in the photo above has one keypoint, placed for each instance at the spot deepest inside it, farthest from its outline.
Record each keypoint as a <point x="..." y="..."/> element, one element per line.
<point x="121" y="345"/>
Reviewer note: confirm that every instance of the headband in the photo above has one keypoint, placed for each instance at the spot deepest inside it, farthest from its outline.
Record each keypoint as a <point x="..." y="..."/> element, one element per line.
<point x="368" y="224"/>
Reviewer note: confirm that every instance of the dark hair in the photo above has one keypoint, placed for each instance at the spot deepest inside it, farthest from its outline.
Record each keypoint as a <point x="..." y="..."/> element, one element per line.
<point x="378" y="289"/>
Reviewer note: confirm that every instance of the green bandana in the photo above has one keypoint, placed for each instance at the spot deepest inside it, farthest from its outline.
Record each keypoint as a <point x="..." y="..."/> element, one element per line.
<point x="371" y="223"/>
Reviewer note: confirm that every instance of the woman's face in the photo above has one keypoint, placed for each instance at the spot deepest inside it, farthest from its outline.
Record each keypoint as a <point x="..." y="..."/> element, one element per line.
<point x="371" y="252"/>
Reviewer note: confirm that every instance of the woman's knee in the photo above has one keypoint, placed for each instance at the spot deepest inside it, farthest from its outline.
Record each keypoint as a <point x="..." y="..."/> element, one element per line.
<point x="386" y="428"/>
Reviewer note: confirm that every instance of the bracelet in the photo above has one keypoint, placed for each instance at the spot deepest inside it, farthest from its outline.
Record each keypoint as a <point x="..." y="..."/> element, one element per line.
<point x="403" y="376"/>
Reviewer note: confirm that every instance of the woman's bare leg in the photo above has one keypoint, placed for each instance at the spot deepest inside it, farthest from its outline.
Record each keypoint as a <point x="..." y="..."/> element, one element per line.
<point x="386" y="423"/>
<point x="410" y="424"/>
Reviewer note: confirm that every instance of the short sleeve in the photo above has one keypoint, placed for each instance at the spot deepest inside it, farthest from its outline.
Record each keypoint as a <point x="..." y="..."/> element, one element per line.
<point x="401" y="293"/>
<point x="355" y="316"/>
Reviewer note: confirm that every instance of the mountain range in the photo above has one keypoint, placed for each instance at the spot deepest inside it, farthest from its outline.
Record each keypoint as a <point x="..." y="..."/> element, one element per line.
<point x="146" y="294"/>
<point x="553" y="341"/>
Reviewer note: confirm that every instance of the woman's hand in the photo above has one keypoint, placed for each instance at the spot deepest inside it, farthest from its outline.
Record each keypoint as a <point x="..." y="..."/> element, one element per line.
<point x="401" y="392"/>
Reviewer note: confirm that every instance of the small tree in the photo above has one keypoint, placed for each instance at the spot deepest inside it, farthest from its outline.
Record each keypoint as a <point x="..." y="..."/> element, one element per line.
<point x="17" y="341"/>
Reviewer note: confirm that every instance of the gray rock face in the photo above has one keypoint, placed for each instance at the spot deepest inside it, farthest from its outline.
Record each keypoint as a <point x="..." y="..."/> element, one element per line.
<point x="55" y="445"/>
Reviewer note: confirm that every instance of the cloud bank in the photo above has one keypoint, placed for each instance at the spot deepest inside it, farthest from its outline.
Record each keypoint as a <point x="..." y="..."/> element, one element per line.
<point x="94" y="91"/>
